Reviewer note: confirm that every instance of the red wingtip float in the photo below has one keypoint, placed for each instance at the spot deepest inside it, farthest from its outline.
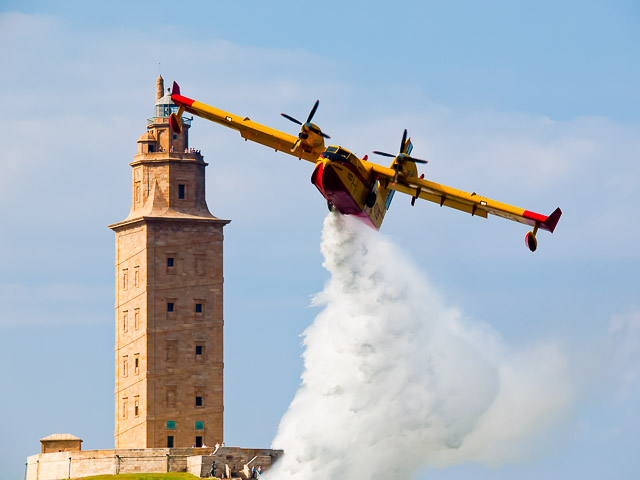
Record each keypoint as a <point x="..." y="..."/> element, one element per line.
<point x="355" y="186"/>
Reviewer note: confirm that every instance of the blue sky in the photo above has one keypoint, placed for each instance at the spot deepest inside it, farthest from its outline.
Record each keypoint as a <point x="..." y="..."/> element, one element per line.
<point x="534" y="104"/>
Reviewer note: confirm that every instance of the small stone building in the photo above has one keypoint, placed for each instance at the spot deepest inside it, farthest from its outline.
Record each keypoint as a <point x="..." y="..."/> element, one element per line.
<point x="61" y="442"/>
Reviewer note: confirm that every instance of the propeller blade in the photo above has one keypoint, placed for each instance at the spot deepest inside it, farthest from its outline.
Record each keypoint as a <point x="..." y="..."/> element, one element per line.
<point x="415" y="160"/>
<point x="295" y="145"/>
<point x="404" y="139"/>
<point x="308" y="124"/>
<point x="313" y="111"/>
<point x="384" y="154"/>
<point x="288" y="117"/>
<point x="318" y="131"/>
<point x="402" y="156"/>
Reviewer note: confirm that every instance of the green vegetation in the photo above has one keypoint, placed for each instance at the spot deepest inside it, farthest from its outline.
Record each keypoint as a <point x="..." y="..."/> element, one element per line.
<point x="143" y="476"/>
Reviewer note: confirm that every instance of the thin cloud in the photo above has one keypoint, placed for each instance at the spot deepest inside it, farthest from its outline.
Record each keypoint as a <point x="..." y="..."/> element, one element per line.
<point x="624" y="334"/>
<point x="54" y="304"/>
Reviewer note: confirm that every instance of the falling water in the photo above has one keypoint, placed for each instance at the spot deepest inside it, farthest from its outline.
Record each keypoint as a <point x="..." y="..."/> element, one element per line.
<point x="394" y="380"/>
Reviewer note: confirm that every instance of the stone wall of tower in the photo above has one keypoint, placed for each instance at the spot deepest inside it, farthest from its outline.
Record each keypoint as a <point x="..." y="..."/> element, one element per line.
<point x="159" y="372"/>
<point x="131" y="336"/>
<point x="185" y="342"/>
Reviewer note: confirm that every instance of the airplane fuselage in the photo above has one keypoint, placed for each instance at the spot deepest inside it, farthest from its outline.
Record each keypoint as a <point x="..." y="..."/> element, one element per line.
<point x="349" y="186"/>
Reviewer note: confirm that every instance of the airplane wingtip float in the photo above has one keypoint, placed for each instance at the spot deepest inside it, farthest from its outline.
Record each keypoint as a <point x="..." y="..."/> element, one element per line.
<point x="355" y="186"/>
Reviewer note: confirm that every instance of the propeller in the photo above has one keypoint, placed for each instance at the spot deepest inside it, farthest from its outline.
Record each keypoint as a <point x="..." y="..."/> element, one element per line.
<point x="308" y="124"/>
<point x="401" y="156"/>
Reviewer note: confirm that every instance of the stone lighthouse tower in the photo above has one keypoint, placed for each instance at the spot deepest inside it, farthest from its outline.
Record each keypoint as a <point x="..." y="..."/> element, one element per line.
<point x="168" y="308"/>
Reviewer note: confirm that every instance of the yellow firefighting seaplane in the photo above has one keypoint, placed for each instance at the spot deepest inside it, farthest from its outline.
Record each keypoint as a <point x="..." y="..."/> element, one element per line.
<point x="355" y="186"/>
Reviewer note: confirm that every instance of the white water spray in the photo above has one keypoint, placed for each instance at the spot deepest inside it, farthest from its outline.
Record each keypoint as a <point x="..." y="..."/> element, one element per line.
<point x="393" y="380"/>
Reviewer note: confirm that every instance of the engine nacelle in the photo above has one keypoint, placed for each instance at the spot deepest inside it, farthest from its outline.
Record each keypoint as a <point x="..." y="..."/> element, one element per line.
<point x="530" y="240"/>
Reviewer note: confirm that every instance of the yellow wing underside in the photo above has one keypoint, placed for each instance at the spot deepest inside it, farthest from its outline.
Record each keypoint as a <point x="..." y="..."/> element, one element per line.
<point x="250" y="130"/>
<point x="450" y="197"/>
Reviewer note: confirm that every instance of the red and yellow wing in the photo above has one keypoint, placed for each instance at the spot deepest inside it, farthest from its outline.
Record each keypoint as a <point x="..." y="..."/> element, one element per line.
<point x="249" y="130"/>
<point x="471" y="203"/>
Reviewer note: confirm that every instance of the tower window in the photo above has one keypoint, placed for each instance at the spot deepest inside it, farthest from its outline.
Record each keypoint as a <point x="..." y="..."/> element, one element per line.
<point x="199" y="394"/>
<point x="199" y="425"/>
<point x="124" y="407"/>
<point x="136" y="406"/>
<point x="171" y="399"/>
<point x="181" y="191"/>
<point x="136" y="364"/>
<point x="199" y="260"/>
<point x="198" y="441"/>
<point x="169" y="306"/>
<point x="151" y="148"/>
<point x="171" y="424"/>
<point x="172" y="349"/>
<point x="198" y="308"/>
<point x="199" y="349"/>
<point x="136" y="318"/>
<point x="169" y="441"/>
<point x="171" y="264"/>
<point x="125" y="278"/>
<point x="175" y="137"/>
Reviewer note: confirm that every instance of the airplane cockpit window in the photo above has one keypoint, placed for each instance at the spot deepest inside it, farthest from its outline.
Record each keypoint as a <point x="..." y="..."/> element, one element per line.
<point x="338" y="154"/>
<point x="343" y="153"/>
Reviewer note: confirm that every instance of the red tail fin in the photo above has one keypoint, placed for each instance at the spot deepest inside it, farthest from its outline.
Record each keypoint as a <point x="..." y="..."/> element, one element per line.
<point x="552" y="220"/>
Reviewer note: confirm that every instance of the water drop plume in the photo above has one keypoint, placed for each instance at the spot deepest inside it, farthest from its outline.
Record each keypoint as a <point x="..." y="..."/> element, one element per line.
<point x="394" y="380"/>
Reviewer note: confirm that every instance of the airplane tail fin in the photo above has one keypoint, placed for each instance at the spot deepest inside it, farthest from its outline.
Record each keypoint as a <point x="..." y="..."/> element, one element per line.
<point x="549" y="224"/>
<point x="552" y="220"/>
<point x="175" y="122"/>
<point x="175" y="118"/>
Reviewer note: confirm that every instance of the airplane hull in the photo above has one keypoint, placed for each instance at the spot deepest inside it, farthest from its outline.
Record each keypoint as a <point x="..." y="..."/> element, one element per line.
<point x="340" y="184"/>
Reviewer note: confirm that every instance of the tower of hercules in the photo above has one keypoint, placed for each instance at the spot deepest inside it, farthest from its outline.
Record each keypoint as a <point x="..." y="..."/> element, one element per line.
<point x="168" y="308"/>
